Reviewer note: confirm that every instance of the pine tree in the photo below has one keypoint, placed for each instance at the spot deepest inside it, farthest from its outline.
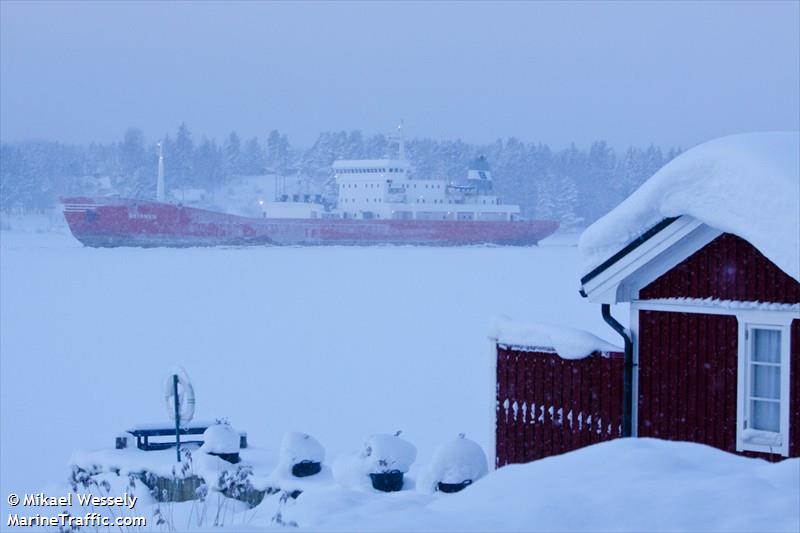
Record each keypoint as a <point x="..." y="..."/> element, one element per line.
<point x="355" y="145"/>
<point x="378" y="146"/>
<point x="132" y="156"/>
<point x="277" y="152"/>
<point x="253" y="161"/>
<point x="546" y="198"/>
<point x="133" y="165"/>
<point x="233" y="156"/>
<point x="179" y="158"/>
<point x="209" y="166"/>
<point x="566" y="204"/>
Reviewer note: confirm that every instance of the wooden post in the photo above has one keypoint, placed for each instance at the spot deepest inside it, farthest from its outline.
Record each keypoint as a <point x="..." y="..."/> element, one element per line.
<point x="177" y="417"/>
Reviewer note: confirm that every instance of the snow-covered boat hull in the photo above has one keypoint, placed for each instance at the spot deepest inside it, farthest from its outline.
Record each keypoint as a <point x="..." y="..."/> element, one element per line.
<point x="112" y="222"/>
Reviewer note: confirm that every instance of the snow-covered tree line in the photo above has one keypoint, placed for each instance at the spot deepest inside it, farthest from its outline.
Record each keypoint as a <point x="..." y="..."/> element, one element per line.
<point x="574" y="185"/>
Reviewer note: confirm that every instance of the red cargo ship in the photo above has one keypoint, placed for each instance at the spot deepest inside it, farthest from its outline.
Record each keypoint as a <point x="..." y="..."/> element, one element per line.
<point x="379" y="202"/>
<point x="123" y="222"/>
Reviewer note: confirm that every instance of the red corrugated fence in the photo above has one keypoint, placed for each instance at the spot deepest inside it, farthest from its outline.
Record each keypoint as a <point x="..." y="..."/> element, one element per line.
<point x="547" y="405"/>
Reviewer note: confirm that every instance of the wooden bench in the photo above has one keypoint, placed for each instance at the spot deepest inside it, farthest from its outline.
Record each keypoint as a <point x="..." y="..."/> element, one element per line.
<point x="145" y="431"/>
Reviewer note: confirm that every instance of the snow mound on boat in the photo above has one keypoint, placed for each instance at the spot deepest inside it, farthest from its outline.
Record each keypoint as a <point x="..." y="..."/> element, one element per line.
<point x="220" y="438"/>
<point x="297" y="447"/>
<point x="747" y="185"/>
<point x="381" y="453"/>
<point x="454" y="462"/>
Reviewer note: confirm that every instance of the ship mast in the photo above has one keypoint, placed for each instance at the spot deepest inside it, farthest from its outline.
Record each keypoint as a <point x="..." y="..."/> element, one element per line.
<point x="402" y="142"/>
<point x="160" y="182"/>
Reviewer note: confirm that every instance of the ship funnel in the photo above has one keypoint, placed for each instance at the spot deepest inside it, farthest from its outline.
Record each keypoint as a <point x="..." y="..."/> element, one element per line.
<point x="479" y="174"/>
<point x="160" y="182"/>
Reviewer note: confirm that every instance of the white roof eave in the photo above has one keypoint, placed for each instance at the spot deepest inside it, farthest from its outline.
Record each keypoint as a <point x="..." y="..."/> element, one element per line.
<point x="621" y="281"/>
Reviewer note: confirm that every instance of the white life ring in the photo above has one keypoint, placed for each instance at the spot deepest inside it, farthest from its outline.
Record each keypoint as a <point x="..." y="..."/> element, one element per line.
<point x="185" y="396"/>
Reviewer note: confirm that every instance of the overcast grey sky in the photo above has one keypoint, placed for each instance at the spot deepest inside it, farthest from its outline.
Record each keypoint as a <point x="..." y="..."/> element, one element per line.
<point x="672" y="73"/>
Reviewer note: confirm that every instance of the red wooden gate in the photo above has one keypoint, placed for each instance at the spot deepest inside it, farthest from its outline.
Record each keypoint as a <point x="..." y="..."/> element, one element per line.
<point x="547" y="405"/>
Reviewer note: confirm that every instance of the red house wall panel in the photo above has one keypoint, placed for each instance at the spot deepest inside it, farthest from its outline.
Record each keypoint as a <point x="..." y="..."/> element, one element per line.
<point x="727" y="268"/>
<point x="547" y="405"/>
<point x="688" y="366"/>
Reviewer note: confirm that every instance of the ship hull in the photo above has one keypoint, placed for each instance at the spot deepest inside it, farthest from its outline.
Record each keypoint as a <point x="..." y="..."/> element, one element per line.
<point x="123" y="222"/>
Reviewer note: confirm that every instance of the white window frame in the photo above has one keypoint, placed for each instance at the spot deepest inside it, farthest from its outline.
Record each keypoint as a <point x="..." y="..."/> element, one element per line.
<point x="780" y="444"/>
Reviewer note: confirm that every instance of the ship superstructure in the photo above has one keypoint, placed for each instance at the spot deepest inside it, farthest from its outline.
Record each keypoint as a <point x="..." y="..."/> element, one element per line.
<point x="386" y="189"/>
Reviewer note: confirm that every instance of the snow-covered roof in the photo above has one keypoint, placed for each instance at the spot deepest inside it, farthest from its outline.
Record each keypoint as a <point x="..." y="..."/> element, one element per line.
<point x="566" y="342"/>
<point x="747" y="185"/>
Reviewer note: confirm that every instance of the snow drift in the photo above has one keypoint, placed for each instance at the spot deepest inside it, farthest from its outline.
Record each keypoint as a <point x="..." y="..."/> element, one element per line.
<point x="621" y="485"/>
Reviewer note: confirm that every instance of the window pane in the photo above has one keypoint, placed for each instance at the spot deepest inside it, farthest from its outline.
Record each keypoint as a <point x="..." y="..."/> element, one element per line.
<point x="767" y="345"/>
<point x="767" y="381"/>
<point x="765" y="415"/>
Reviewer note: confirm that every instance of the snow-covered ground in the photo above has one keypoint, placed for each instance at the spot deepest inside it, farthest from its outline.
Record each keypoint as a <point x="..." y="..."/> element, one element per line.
<point x="622" y="485"/>
<point x="336" y="342"/>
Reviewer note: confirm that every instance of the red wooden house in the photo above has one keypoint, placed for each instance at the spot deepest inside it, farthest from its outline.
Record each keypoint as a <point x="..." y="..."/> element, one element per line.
<point x="714" y="338"/>
<point x="712" y="354"/>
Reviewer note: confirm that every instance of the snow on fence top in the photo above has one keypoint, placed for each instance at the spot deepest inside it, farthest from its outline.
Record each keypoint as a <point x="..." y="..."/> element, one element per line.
<point x="568" y="343"/>
<point x="747" y="184"/>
